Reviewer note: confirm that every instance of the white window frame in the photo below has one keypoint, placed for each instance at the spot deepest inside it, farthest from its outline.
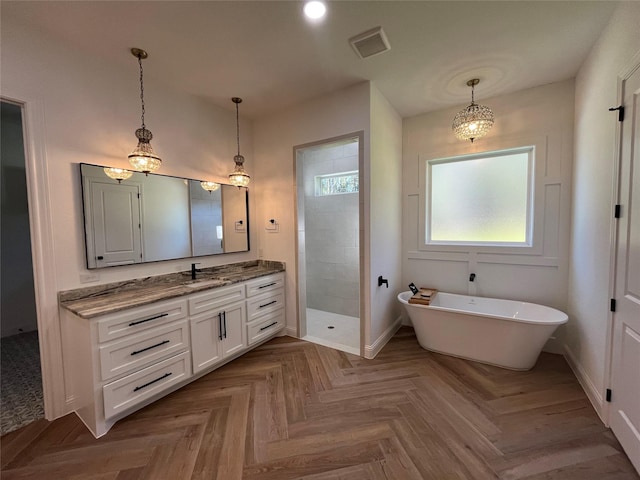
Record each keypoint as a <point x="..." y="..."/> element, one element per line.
<point x="318" y="179"/>
<point x="540" y="180"/>
<point x="529" y="150"/>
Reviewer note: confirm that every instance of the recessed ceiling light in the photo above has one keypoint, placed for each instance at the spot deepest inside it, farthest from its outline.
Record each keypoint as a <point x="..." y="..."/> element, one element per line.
<point x="315" y="9"/>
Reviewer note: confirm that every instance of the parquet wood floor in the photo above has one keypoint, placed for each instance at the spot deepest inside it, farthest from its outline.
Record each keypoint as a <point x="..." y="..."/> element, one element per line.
<point x="294" y="410"/>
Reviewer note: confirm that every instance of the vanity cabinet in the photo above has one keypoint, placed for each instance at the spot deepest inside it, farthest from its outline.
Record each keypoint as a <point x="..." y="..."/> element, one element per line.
<point x="217" y="326"/>
<point x="119" y="362"/>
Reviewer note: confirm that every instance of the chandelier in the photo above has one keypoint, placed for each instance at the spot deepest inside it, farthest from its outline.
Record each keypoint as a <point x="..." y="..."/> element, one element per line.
<point x="118" y="174"/>
<point x="475" y="120"/>
<point x="210" y="186"/>
<point x="238" y="177"/>
<point x="143" y="158"/>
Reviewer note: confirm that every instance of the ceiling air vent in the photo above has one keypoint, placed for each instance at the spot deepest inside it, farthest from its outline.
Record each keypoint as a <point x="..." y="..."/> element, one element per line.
<point x="370" y="43"/>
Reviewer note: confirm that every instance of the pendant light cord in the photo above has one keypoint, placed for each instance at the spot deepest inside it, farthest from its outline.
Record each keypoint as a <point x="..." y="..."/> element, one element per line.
<point x="141" y="91"/>
<point x="238" y="128"/>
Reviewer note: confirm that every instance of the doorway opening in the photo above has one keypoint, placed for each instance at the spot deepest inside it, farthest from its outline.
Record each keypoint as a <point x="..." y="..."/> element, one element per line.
<point x="328" y="211"/>
<point x="20" y="372"/>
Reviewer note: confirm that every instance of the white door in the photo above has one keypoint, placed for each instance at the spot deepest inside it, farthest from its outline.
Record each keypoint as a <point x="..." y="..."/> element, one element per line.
<point x="234" y="333"/>
<point x="625" y="378"/>
<point x="116" y="224"/>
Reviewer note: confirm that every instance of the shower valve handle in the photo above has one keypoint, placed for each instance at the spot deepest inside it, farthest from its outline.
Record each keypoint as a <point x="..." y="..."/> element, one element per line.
<point x="382" y="281"/>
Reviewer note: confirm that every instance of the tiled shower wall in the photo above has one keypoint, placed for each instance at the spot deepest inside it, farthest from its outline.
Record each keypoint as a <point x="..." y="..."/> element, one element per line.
<point x="331" y="234"/>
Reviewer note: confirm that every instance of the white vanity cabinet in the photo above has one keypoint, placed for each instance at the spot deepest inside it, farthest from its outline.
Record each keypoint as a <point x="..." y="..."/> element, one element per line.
<point x="119" y="362"/>
<point x="217" y="325"/>
<point x="265" y="307"/>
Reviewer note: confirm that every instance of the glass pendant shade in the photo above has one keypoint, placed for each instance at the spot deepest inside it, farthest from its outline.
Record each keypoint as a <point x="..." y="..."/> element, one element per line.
<point x="210" y="186"/>
<point x="143" y="158"/>
<point x="474" y="121"/>
<point x="239" y="177"/>
<point x="118" y="174"/>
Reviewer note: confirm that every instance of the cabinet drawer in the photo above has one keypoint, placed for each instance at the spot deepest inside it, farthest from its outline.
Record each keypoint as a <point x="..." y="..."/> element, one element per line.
<point x="137" y="351"/>
<point x="269" y="302"/>
<point x="215" y="298"/>
<point x="265" y="284"/>
<point x="266" y="326"/>
<point x="137" y="387"/>
<point x="138" y="319"/>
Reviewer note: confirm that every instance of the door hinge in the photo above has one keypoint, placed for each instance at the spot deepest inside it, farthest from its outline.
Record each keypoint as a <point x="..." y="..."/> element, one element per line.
<point x="620" y="110"/>
<point x="616" y="211"/>
<point x="138" y="195"/>
<point x="608" y="397"/>
<point x="612" y="307"/>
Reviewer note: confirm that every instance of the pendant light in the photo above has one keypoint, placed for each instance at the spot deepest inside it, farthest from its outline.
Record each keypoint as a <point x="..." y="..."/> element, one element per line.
<point x="210" y="186"/>
<point x="143" y="158"/>
<point x="118" y="174"/>
<point x="475" y="120"/>
<point x="238" y="177"/>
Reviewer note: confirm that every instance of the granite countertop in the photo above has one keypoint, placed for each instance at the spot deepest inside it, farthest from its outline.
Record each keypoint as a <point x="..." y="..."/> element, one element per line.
<point x="91" y="302"/>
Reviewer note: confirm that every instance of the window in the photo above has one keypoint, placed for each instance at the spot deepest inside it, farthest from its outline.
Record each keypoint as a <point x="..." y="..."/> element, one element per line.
<point x="336" y="183"/>
<point x="481" y="199"/>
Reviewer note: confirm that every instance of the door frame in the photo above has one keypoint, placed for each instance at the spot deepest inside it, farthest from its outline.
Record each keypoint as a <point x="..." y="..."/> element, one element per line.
<point x="42" y="252"/>
<point x="624" y="74"/>
<point x="301" y="326"/>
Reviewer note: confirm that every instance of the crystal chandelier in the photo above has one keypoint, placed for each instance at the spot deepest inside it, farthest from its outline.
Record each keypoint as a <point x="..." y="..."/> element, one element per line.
<point x="238" y="177"/>
<point x="475" y="120"/>
<point x="210" y="186"/>
<point x="118" y="174"/>
<point x="143" y="158"/>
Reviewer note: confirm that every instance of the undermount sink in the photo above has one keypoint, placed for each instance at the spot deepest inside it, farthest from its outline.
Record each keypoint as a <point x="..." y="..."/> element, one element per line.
<point x="204" y="283"/>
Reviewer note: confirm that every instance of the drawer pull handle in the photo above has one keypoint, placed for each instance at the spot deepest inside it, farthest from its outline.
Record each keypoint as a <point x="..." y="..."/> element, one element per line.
<point x="152" y="382"/>
<point x="269" y="326"/>
<point x="267" y="304"/>
<point x="149" y="348"/>
<point x="267" y="285"/>
<point x="148" y="319"/>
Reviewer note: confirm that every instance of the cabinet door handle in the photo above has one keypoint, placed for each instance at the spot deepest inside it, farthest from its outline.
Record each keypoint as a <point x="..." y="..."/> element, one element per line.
<point x="267" y="304"/>
<point x="148" y="319"/>
<point x="220" y="326"/>
<point x="149" y="348"/>
<point x="224" y="319"/>
<point x="268" y="326"/>
<point x="267" y="285"/>
<point x="152" y="382"/>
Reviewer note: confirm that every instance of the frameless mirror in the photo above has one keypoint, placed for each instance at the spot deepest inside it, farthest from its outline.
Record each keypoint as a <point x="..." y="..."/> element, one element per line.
<point x="148" y="218"/>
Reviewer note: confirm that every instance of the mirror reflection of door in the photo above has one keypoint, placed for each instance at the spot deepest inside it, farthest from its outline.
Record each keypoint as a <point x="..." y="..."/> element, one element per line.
<point x="206" y="220"/>
<point x="116" y="216"/>
<point x="234" y="219"/>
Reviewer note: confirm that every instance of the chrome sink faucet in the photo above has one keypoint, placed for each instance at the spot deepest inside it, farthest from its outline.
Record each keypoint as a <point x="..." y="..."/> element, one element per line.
<point x="194" y="270"/>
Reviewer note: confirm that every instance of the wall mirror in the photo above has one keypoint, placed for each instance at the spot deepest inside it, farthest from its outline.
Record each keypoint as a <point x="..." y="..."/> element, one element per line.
<point x="148" y="218"/>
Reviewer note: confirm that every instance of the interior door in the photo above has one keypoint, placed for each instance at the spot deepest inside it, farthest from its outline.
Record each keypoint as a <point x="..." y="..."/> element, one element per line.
<point x="625" y="378"/>
<point x="116" y="217"/>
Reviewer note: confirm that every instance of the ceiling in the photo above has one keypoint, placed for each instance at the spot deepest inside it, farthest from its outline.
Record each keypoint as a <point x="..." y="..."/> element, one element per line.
<point x="268" y="54"/>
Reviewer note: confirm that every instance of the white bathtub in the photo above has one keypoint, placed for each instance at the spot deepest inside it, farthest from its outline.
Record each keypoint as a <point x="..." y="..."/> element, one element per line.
<point x="504" y="333"/>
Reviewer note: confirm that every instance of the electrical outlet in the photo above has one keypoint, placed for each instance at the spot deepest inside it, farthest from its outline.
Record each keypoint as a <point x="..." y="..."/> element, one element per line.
<point x="89" y="277"/>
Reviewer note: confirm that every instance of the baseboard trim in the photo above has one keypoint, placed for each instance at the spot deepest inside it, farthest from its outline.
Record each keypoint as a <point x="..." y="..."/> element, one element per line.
<point x="587" y="385"/>
<point x="291" y="332"/>
<point x="370" y="351"/>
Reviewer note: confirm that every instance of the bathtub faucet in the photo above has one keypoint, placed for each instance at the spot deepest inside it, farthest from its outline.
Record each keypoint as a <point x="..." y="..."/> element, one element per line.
<point x="472" y="277"/>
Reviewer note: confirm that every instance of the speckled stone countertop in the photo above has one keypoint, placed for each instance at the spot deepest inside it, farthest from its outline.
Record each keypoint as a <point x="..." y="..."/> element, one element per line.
<point x="91" y="302"/>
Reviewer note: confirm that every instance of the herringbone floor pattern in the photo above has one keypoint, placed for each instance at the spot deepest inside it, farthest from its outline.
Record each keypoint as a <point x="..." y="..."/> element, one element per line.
<point x="294" y="410"/>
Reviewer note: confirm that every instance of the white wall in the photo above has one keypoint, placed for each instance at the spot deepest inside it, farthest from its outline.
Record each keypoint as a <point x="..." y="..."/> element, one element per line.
<point x="91" y="112"/>
<point x="542" y="115"/>
<point x="87" y="112"/>
<point x="593" y="178"/>
<point x="332" y="232"/>
<point x="342" y="112"/>
<point x="383" y="213"/>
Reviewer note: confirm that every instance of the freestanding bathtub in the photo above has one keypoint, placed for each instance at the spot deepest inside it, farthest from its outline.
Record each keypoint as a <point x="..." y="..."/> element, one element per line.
<point x="504" y="333"/>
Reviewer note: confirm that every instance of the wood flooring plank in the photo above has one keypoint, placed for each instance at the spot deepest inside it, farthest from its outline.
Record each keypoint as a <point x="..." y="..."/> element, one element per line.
<point x="290" y="409"/>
